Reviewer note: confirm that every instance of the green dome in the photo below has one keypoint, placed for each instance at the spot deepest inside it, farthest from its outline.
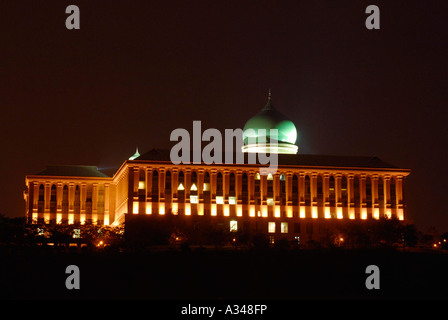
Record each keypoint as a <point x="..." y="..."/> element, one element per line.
<point x="270" y="118"/>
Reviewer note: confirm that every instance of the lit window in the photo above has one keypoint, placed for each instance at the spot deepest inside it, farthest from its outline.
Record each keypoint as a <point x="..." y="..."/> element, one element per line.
<point x="271" y="227"/>
<point x="193" y="199"/>
<point x="233" y="225"/>
<point x="232" y="200"/>
<point x="270" y="201"/>
<point x="194" y="188"/>
<point x="141" y="185"/>
<point x="206" y="186"/>
<point x="282" y="177"/>
<point x="181" y="187"/>
<point x="257" y="176"/>
<point x="270" y="177"/>
<point x="219" y="200"/>
<point x="76" y="233"/>
<point x="284" y="227"/>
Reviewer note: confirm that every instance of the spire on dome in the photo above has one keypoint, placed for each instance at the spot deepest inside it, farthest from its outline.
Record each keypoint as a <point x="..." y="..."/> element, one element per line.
<point x="135" y="156"/>
<point x="268" y="105"/>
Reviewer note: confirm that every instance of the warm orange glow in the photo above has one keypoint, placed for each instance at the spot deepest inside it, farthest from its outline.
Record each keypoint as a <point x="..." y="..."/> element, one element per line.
<point x="106" y="219"/>
<point x="376" y="213"/>
<point x="59" y="218"/>
<point x="264" y="212"/>
<point x="83" y="219"/>
<point x="388" y="213"/>
<point x="351" y="213"/>
<point x="252" y="211"/>
<point x="149" y="208"/>
<point x="213" y="209"/>
<point x="239" y="211"/>
<point x="277" y="212"/>
<point x="135" y="207"/>
<point x="364" y="213"/>
<point x="161" y="208"/>
<point x="226" y="210"/>
<point x="71" y="218"/>
<point x="314" y="212"/>
<point x="289" y="212"/>
<point x="302" y="212"/>
<point x="327" y="213"/>
<point x="339" y="213"/>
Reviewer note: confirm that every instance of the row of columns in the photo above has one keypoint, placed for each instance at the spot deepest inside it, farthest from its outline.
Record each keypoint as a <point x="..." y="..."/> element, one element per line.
<point x="70" y="215"/>
<point x="135" y="174"/>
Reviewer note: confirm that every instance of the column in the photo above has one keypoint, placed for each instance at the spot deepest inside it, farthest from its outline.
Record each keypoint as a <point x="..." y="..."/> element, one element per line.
<point x="313" y="195"/>
<point x="83" y="195"/>
<point x="107" y="219"/>
<point x="95" y="202"/>
<point x="302" y="195"/>
<point x="338" y="195"/>
<point x="351" y="196"/>
<point x="376" y="209"/>
<point x="59" y="217"/>
<point x="362" y="194"/>
<point x="326" y="194"/>
<point x="399" y="196"/>
<point x="387" y="206"/>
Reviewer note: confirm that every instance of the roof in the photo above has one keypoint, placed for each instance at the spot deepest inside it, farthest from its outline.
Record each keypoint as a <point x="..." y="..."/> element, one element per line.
<point x="72" y="171"/>
<point x="295" y="160"/>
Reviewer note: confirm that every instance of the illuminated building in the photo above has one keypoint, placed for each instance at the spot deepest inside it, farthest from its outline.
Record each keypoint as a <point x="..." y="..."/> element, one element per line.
<point x="307" y="193"/>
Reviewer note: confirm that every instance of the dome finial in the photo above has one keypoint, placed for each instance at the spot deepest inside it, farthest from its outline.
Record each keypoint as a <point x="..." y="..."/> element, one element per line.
<point x="269" y="94"/>
<point x="135" y="156"/>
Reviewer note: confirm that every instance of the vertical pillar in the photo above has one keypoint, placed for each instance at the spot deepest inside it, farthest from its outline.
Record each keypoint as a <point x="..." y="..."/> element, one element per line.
<point x="314" y="195"/>
<point x="351" y="196"/>
<point x="399" y="197"/>
<point x="338" y="195"/>
<point x="326" y="194"/>
<point x="362" y="194"/>
<point x="83" y="195"/>
<point x="302" y="195"/>
<point x="95" y="202"/>
<point x="106" y="204"/>
<point x="375" y="203"/>
<point x="387" y="204"/>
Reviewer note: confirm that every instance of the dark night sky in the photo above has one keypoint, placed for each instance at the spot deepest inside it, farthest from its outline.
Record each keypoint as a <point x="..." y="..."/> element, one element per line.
<point x="136" y="70"/>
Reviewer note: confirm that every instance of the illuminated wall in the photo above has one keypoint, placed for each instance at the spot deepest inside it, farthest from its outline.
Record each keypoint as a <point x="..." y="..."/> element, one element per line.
<point x="233" y="192"/>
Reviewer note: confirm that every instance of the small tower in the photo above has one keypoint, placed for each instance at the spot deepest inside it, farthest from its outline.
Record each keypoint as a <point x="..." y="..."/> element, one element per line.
<point x="135" y="156"/>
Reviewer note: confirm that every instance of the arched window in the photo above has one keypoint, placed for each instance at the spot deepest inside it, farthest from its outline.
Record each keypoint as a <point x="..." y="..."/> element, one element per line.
<point x="232" y="184"/>
<point x="332" y="192"/>
<point x="219" y="187"/>
<point x="41" y="202"/>
<point x="206" y="182"/>
<point x="168" y="181"/>
<point x="270" y="185"/>
<point x="368" y="192"/>
<point x="295" y="190"/>
<point x="282" y="183"/>
<point x="381" y="192"/>
<point x="307" y="191"/>
<point x="155" y="186"/>
<point x="356" y="192"/>
<point x="194" y="183"/>
<point x="53" y="199"/>
<point x="244" y="188"/>
<point x="344" y="193"/>
<point x="141" y="185"/>
<point x="393" y="193"/>
<point x="320" y="191"/>
<point x="77" y="200"/>
<point x="257" y="183"/>
<point x="65" y="199"/>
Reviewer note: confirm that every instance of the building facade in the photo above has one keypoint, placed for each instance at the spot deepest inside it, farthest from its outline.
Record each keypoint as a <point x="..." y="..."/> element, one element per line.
<point x="305" y="195"/>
